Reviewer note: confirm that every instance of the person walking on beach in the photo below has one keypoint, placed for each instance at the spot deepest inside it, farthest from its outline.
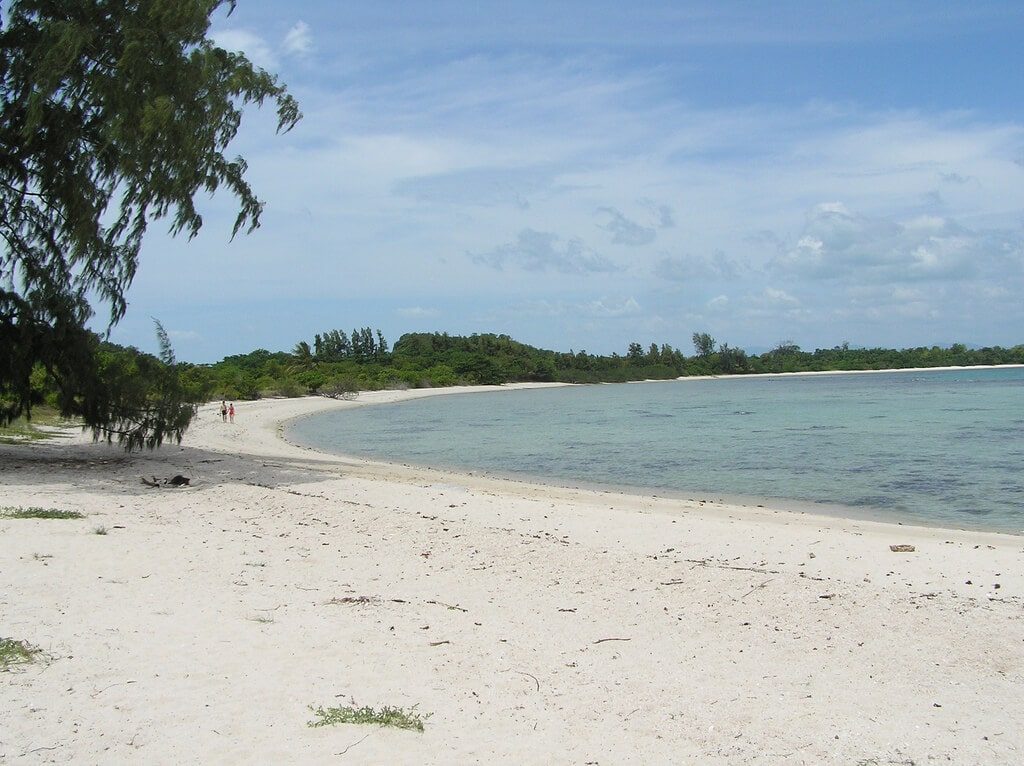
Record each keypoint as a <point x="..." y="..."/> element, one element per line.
<point x="223" y="411"/>
<point x="231" y="412"/>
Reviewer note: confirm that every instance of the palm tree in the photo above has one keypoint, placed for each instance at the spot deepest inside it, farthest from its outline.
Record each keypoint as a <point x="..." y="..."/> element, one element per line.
<point x="304" y="359"/>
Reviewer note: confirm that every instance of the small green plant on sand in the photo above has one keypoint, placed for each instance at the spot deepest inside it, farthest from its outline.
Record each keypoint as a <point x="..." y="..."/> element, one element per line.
<point x="38" y="513"/>
<point x="101" y="530"/>
<point x="16" y="653"/>
<point x="386" y="716"/>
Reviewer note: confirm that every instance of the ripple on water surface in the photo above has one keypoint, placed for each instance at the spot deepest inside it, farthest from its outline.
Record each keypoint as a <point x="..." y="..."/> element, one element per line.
<point x="942" y="447"/>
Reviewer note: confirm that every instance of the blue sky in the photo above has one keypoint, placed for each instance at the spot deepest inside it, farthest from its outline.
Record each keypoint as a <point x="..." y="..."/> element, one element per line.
<point x="585" y="174"/>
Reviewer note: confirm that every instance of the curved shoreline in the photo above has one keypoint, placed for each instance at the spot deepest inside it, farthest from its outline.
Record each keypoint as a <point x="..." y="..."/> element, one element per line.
<point x="274" y="415"/>
<point x="684" y="498"/>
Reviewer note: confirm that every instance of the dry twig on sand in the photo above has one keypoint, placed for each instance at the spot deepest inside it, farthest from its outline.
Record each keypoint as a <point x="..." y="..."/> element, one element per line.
<point x="524" y="673"/>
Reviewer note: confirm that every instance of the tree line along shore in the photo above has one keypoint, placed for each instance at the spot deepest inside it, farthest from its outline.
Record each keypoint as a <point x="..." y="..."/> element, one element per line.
<point x="332" y="366"/>
<point x="340" y="364"/>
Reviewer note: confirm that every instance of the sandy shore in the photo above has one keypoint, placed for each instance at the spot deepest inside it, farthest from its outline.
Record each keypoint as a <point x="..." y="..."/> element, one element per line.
<point x="534" y="625"/>
<point x="812" y="373"/>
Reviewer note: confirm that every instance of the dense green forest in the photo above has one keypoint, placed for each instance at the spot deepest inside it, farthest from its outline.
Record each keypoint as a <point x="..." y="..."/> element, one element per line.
<point x="338" y="364"/>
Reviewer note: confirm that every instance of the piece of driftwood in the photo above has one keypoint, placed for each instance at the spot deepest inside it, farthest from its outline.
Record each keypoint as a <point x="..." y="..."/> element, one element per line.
<point x="715" y="565"/>
<point x="902" y="548"/>
<point x="175" y="481"/>
<point x="448" y="606"/>
<point x="524" y="673"/>
<point x="756" y="587"/>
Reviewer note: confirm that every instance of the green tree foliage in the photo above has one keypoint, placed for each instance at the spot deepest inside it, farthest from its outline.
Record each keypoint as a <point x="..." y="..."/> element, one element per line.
<point x="703" y="344"/>
<point x="113" y="114"/>
<point x="138" y="400"/>
<point x="732" y="361"/>
<point x="340" y="387"/>
<point x="485" y="359"/>
<point x="123" y="394"/>
<point x="303" y="355"/>
<point x="336" y="346"/>
<point x="440" y="359"/>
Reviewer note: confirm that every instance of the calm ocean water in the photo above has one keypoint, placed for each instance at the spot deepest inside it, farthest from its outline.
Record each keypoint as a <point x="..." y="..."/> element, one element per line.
<point x="941" y="447"/>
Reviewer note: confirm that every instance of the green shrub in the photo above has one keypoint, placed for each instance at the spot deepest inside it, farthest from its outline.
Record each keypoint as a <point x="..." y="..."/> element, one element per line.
<point x="38" y="513"/>
<point x="19" y="653"/>
<point x="386" y="716"/>
<point x="340" y="387"/>
<point x="441" y="375"/>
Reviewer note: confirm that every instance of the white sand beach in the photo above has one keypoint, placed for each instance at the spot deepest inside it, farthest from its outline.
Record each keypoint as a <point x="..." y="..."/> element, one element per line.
<point x="532" y="624"/>
<point x="817" y="373"/>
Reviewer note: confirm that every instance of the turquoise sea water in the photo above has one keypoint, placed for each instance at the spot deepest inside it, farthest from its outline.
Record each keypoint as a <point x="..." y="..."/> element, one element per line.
<point x="940" y="447"/>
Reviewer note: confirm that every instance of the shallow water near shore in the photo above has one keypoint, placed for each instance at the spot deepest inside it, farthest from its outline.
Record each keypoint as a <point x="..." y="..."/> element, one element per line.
<point x="937" y="447"/>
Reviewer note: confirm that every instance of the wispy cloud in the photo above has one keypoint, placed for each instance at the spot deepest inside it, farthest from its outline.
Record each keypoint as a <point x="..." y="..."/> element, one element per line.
<point x="248" y="42"/>
<point x="183" y="334"/>
<point x="954" y="178"/>
<point x="612" y="308"/>
<point x="623" y="230"/>
<point x="664" y="218"/>
<point x="299" y="40"/>
<point x="418" y="312"/>
<point x="479" y="186"/>
<point x="604" y="307"/>
<point x="777" y="297"/>
<point x="686" y="268"/>
<point x="541" y="251"/>
<point x="838" y="244"/>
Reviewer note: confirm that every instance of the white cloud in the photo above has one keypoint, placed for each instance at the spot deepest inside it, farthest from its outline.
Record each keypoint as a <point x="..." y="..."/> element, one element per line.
<point x="595" y="309"/>
<point x="954" y="178"/>
<point x="839" y="245"/>
<point x="623" y="230"/>
<point x="183" y="334"/>
<point x="299" y="40"/>
<point x="606" y="308"/>
<point x="926" y="223"/>
<point x="479" y="186"/>
<point x="831" y="207"/>
<point x="417" y="312"/>
<point x="693" y="268"/>
<point x="880" y="303"/>
<point x="540" y="251"/>
<point x="778" y="297"/>
<point x="251" y="44"/>
<point x="663" y="215"/>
